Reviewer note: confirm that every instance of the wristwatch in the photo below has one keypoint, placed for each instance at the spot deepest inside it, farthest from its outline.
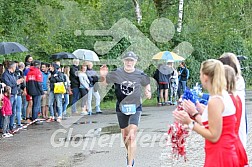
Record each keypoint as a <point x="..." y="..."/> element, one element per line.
<point x="191" y="125"/>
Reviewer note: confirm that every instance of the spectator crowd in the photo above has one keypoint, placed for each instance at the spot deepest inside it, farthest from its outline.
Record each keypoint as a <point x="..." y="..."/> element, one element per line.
<point x="28" y="92"/>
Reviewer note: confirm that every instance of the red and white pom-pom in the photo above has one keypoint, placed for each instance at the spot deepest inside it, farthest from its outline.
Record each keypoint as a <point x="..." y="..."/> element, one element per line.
<point x="178" y="134"/>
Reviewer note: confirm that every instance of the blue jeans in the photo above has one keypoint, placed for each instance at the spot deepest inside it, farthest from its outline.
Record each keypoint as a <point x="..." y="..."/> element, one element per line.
<point x="36" y="106"/>
<point x="65" y="103"/>
<point x="76" y="94"/>
<point x="183" y="85"/>
<point x="18" y="109"/>
<point x="91" y="92"/>
<point x="5" y="121"/>
<point x="13" y="101"/>
<point x="58" y="98"/>
<point x="181" y="88"/>
<point x="24" y="106"/>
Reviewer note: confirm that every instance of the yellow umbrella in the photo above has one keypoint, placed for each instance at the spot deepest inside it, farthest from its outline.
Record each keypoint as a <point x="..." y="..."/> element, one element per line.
<point x="168" y="56"/>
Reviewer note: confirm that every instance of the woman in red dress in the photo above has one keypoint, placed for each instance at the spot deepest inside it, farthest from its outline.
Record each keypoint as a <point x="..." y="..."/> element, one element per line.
<point x="217" y="118"/>
<point x="231" y="85"/>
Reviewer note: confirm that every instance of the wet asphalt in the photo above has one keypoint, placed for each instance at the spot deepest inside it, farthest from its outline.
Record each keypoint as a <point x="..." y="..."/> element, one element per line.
<point x="95" y="141"/>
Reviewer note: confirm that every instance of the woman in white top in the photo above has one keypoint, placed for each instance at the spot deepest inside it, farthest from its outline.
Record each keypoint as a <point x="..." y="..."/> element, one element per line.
<point x="84" y="87"/>
<point x="231" y="60"/>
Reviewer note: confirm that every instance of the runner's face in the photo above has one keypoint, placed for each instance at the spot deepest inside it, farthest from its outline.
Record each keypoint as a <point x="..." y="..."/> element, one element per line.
<point x="129" y="64"/>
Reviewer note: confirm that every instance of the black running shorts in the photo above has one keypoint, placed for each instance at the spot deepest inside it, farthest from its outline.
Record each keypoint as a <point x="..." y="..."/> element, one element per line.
<point x="126" y="120"/>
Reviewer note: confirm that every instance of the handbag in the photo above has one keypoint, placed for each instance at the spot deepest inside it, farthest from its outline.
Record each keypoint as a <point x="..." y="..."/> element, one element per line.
<point x="59" y="88"/>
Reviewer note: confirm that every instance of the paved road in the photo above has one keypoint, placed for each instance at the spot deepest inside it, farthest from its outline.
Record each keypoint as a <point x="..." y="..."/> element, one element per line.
<point x="95" y="141"/>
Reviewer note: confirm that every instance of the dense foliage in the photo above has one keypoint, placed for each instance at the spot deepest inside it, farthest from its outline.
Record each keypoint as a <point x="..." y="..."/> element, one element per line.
<point x="50" y="26"/>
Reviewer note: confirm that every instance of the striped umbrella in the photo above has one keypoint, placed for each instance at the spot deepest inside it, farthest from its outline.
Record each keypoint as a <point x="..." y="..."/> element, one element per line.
<point x="168" y="56"/>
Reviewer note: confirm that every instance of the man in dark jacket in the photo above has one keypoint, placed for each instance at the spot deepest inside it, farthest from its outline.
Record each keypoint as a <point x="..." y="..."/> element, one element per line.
<point x="34" y="84"/>
<point x="182" y="77"/>
<point x="10" y="79"/>
<point x="75" y="84"/>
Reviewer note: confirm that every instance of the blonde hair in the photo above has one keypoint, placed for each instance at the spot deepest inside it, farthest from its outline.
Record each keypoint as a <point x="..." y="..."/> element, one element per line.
<point x="85" y="63"/>
<point x="67" y="70"/>
<point x="76" y="62"/>
<point x="231" y="79"/>
<point x="214" y="69"/>
<point x="234" y="60"/>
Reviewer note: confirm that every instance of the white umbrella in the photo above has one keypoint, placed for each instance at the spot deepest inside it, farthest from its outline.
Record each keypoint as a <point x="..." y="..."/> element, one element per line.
<point x="84" y="54"/>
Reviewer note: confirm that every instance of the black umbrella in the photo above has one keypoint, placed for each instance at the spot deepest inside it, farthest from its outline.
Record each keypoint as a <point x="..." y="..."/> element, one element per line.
<point x="63" y="55"/>
<point x="241" y="57"/>
<point x="11" y="47"/>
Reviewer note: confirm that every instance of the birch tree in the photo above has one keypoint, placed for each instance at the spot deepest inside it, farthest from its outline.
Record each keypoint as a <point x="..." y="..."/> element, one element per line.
<point x="138" y="11"/>
<point x="180" y="16"/>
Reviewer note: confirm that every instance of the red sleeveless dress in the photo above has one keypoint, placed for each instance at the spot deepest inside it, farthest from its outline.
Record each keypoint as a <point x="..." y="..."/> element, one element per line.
<point x="241" y="153"/>
<point x="223" y="152"/>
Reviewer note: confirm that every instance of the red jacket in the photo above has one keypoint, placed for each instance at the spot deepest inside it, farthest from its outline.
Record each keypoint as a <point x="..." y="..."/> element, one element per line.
<point x="34" y="80"/>
<point x="6" y="108"/>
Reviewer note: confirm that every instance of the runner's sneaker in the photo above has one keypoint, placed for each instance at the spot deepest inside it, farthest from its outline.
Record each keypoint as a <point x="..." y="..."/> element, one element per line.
<point x="128" y="162"/>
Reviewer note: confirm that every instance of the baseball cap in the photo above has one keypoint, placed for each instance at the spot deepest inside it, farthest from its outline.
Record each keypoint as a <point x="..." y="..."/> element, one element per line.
<point x="36" y="63"/>
<point x="130" y="55"/>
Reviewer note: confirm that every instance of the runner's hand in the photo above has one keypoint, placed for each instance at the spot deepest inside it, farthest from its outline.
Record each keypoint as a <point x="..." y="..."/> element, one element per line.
<point x="147" y="93"/>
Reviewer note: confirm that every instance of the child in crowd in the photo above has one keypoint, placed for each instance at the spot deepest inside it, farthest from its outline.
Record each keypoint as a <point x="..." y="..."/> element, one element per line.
<point x="173" y="84"/>
<point x="6" y="111"/>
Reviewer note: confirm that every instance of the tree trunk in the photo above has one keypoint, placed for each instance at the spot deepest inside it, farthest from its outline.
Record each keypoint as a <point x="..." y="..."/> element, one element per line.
<point x="180" y="16"/>
<point x="138" y="11"/>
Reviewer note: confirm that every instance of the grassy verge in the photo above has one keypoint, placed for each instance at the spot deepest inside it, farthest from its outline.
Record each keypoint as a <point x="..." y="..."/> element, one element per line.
<point x="111" y="105"/>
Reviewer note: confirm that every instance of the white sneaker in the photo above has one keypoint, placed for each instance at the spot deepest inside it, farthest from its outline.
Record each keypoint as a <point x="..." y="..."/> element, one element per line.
<point x="10" y="135"/>
<point x="6" y="135"/>
<point x="84" y="113"/>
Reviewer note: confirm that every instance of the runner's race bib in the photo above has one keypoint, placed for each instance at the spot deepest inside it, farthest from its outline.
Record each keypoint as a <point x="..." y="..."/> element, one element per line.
<point x="128" y="109"/>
